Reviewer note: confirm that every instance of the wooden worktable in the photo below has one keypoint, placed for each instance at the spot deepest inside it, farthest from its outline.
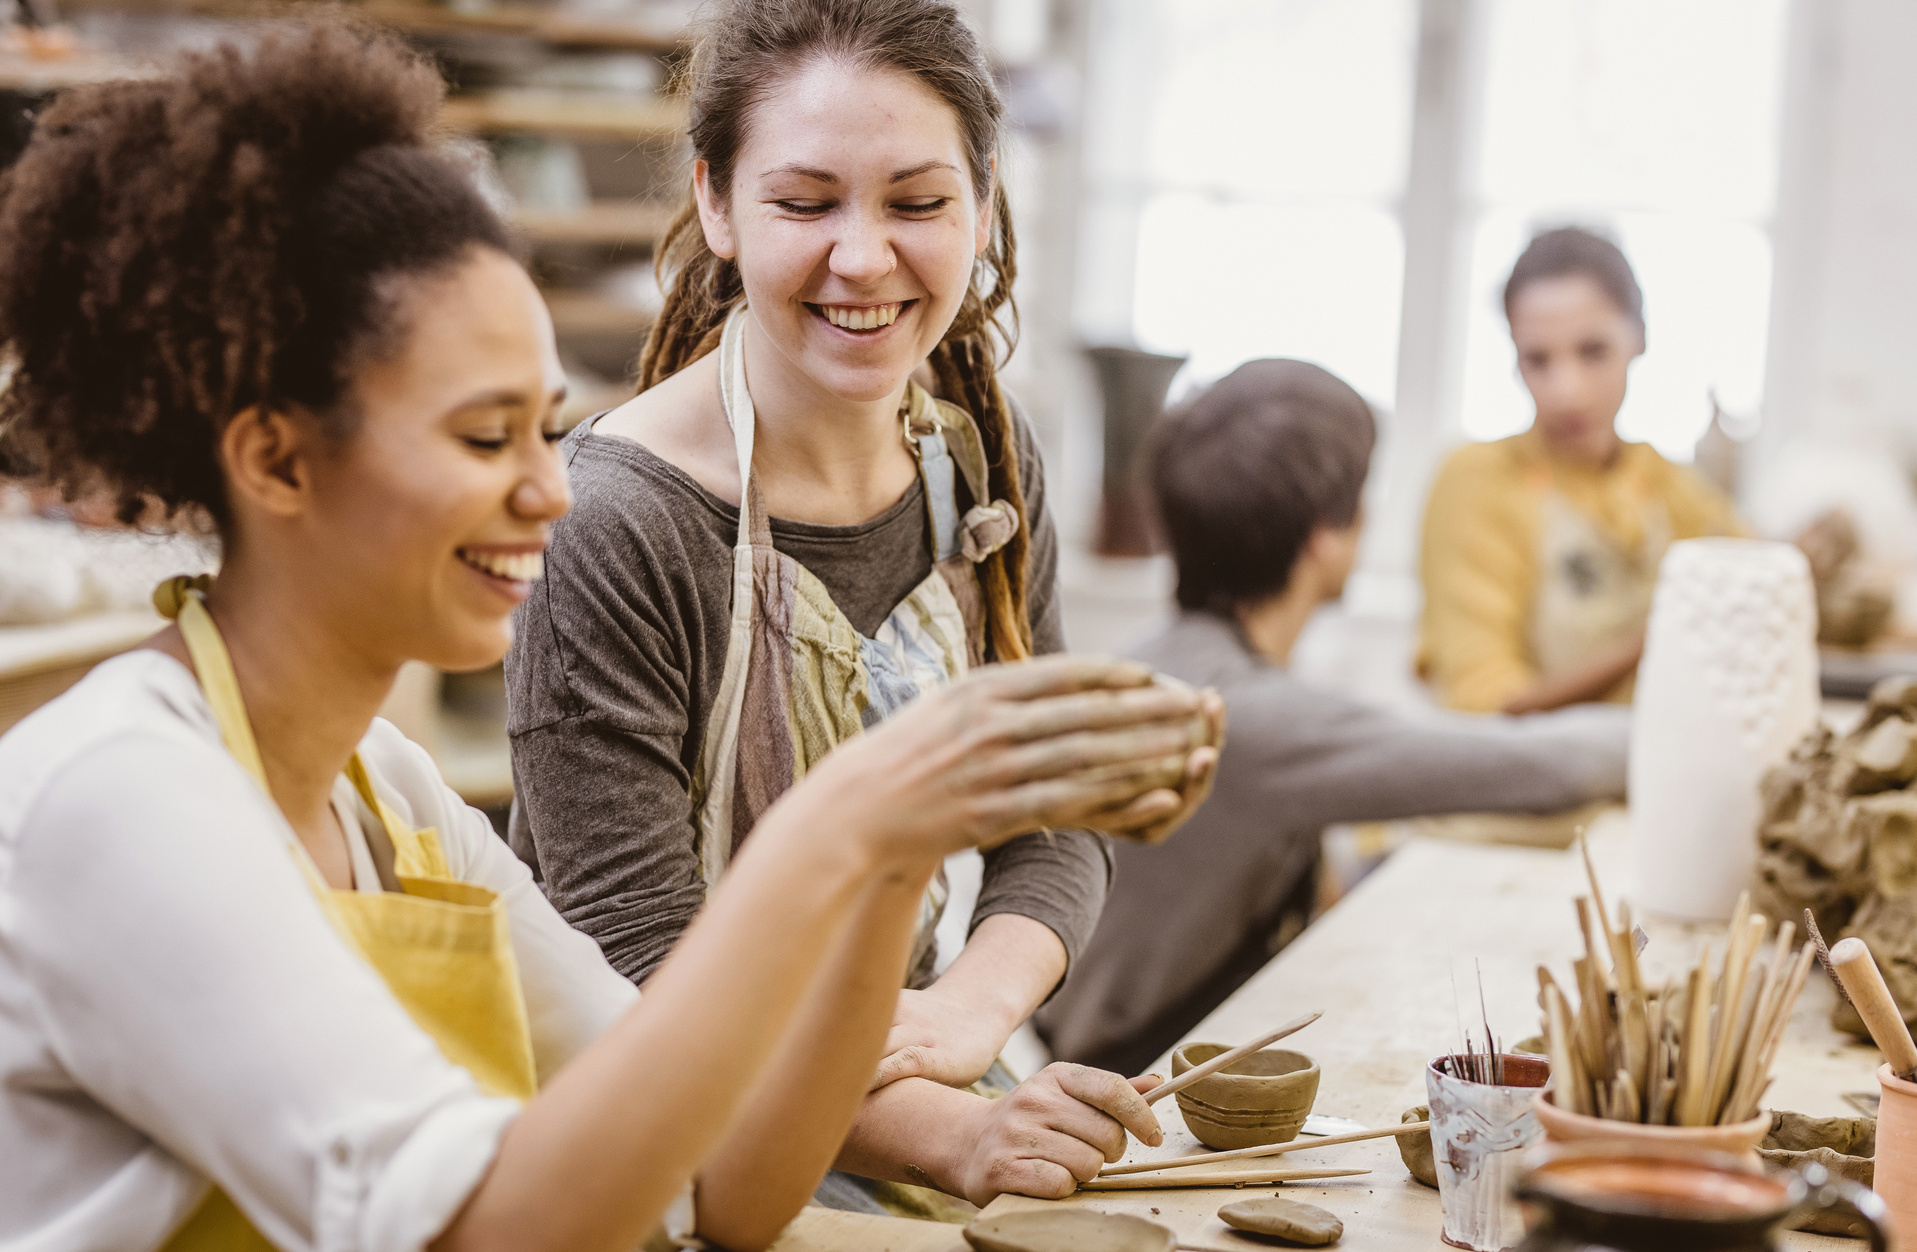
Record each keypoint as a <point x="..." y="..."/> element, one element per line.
<point x="1382" y="963"/>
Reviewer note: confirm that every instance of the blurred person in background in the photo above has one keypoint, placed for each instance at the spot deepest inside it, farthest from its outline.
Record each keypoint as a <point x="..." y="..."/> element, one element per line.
<point x="1540" y="551"/>
<point x="1258" y="481"/>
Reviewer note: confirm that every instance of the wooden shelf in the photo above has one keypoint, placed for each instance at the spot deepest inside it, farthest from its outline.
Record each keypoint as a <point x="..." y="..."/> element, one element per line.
<point x="526" y="20"/>
<point x="37" y="663"/>
<point x="570" y="115"/>
<point x="611" y="223"/>
<point x="584" y="313"/>
<point x="35" y="75"/>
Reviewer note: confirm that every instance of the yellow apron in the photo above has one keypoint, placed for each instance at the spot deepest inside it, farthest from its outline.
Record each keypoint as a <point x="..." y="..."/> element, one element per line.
<point x="443" y="947"/>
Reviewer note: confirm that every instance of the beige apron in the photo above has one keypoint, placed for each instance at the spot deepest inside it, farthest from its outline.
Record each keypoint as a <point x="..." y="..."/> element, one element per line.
<point x="442" y="947"/>
<point x="1593" y="593"/>
<point x="799" y="679"/>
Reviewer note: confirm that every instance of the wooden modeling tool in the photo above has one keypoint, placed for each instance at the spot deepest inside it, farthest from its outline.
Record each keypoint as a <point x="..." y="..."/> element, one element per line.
<point x="1263" y="1149"/>
<point x="1863" y="982"/>
<point x="1217" y="1178"/>
<point x="1223" y="1059"/>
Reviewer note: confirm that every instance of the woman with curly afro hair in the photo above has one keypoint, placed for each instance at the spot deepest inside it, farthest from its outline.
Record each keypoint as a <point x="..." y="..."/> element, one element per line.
<point x="264" y="980"/>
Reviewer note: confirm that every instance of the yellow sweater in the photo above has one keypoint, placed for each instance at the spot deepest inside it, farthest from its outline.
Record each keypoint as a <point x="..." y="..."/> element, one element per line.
<point x="1484" y="551"/>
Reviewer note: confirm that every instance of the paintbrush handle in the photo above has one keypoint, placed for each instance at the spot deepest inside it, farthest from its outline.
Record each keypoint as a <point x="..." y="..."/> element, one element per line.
<point x="1864" y="983"/>
<point x="1263" y="1149"/>
<point x="1223" y="1059"/>
<point x="1217" y="1178"/>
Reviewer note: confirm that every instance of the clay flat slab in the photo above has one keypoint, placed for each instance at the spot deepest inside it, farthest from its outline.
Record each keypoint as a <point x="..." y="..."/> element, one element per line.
<point x="1069" y="1230"/>
<point x="1304" y="1224"/>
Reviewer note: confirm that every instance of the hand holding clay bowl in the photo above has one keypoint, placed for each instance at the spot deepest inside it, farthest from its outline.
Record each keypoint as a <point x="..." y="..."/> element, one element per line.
<point x="1262" y="1098"/>
<point x="1190" y="774"/>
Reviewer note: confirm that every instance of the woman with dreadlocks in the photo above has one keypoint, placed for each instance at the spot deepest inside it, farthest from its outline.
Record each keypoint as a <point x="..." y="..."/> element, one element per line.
<point x="819" y="505"/>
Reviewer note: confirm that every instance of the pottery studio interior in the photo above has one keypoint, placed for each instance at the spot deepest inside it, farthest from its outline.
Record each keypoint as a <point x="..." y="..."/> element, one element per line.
<point x="1380" y="602"/>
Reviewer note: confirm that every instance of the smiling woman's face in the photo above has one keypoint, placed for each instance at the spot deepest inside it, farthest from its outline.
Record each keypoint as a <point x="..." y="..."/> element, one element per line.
<point x="854" y="222"/>
<point x="429" y="521"/>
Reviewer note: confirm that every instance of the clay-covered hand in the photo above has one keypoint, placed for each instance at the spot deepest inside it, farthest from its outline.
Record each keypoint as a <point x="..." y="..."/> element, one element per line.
<point x="1013" y="749"/>
<point x="1201" y="770"/>
<point x="1054" y="1131"/>
<point x="938" y="1037"/>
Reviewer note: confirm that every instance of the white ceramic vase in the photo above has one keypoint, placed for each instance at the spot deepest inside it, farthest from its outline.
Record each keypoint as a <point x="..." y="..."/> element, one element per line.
<point x="1727" y="685"/>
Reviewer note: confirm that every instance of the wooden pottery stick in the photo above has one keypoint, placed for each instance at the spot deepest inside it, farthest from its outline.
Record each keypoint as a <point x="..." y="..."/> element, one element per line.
<point x="1263" y="1149"/>
<point x="1694" y="1046"/>
<point x="1591" y="945"/>
<point x="1597" y="892"/>
<point x="1216" y="1178"/>
<point x="1864" y="983"/>
<point x="1223" y="1059"/>
<point x="1781" y="1020"/>
<point x="1729" y="1047"/>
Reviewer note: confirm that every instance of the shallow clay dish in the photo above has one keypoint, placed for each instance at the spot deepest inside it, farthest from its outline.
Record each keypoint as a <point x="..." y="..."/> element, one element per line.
<point x="1261" y="1099"/>
<point x="1068" y="1230"/>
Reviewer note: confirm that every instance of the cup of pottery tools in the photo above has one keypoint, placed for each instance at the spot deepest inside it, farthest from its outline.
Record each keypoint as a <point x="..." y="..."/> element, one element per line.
<point x="1478" y="1132"/>
<point x="1258" y="1099"/>
<point x="1727" y="684"/>
<point x="1624" y="1197"/>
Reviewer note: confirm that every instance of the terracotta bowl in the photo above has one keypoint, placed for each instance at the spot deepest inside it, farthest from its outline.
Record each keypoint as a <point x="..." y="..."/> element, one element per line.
<point x="1261" y="1099"/>
<point x="1739" y="1139"/>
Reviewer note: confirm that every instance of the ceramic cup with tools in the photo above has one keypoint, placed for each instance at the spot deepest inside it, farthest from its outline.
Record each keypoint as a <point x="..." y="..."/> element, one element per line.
<point x="1258" y="1099"/>
<point x="1478" y="1132"/>
<point x="1634" y="1197"/>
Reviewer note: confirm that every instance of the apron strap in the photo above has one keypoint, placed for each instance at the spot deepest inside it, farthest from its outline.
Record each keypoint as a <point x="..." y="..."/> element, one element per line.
<point x="184" y="600"/>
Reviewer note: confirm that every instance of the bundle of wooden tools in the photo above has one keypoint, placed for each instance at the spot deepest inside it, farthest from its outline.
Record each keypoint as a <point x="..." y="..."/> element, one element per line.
<point x="1697" y="1053"/>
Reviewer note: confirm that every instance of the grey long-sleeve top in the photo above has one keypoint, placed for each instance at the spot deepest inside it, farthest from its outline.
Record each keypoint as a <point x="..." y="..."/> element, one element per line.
<point x="1187" y="922"/>
<point x="616" y="663"/>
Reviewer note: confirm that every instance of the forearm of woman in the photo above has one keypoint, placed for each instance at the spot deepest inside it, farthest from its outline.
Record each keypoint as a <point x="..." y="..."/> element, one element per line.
<point x="792" y="1123"/>
<point x="1590" y="681"/>
<point x="915" y="1131"/>
<point x="595" y="1159"/>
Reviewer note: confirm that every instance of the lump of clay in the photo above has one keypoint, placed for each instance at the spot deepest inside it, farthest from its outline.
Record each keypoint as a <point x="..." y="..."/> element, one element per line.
<point x="1416" y="1149"/>
<point x="1304" y="1224"/>
<point x="1838" y="836"/>
<point x="1846" y="1146"/>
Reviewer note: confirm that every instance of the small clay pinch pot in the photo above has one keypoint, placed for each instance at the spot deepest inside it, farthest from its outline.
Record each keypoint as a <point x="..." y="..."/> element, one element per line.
<point x="1263" y="1098"/>
<point x="1068" y="1230"/>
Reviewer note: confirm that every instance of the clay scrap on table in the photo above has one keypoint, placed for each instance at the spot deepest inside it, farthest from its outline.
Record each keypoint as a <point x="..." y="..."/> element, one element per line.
<point x="1068" y="1230"/>
<point x="1838" y="836"/>
<point x="1304" y="1224"/>
<point x="1855" y="596"/>
<point x="1416" y="1149"/>
<point x="1846" y="1146"/>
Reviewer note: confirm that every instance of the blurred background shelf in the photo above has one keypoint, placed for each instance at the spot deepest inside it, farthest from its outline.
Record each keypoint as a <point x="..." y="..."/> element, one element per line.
<point x="37" y="663"/>
<point x="559" y="29"/>
<point x="562" y="115"/>
<point x="606" y="224"/>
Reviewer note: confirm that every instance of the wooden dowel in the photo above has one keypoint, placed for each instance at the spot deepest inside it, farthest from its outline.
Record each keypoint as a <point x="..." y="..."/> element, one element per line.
<point x="1223" y="1059"/>
<point x="1216" y="1178"/>
<point x="1264" y="1149"/>
<point x="1864" y="983"/>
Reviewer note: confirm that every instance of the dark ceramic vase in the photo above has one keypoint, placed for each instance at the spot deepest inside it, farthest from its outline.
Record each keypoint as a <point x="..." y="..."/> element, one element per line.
<point x="1619" y="1197"/>
<point x="1133" y="384"/>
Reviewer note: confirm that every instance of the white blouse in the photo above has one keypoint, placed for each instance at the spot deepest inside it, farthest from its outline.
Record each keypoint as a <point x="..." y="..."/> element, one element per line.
<point x="175" y="1010"/>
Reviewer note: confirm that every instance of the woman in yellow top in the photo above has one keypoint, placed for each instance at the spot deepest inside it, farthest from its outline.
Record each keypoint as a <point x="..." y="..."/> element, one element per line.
<point x="264" y="980"/>
<point x="1541" y="551"/>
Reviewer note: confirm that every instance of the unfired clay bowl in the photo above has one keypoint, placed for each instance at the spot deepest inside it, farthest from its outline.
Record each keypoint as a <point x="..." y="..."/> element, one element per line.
<point x="1261" y="1099"/>
<point x="1068" y="1230"/>
<point x="1739" y="1139"/>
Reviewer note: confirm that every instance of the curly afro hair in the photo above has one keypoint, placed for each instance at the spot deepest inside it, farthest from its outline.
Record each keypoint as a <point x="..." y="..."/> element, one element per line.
<point x="176" y="251"/>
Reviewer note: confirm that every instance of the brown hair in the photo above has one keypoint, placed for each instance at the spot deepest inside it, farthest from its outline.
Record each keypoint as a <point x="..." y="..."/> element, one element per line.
<point x="745" y="48"/>
<point x="1244" y="471"/>
<point x="1573" y="250"/>
<point x="178" y="250"/>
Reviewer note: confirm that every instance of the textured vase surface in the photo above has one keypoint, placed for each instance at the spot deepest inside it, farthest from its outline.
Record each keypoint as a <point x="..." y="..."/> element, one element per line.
<point x="1727" y="685"/>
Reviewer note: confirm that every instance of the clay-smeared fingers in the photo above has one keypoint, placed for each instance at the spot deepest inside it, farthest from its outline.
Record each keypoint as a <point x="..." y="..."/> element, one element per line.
<point x="1025" y="1175"/>
<point x="1095" y="753"/>
<point x="1024" y="721"/>
<point x="1064" y="803"/>
<point x="1115" y="1097"/>
<point x="1058" y="675"/>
